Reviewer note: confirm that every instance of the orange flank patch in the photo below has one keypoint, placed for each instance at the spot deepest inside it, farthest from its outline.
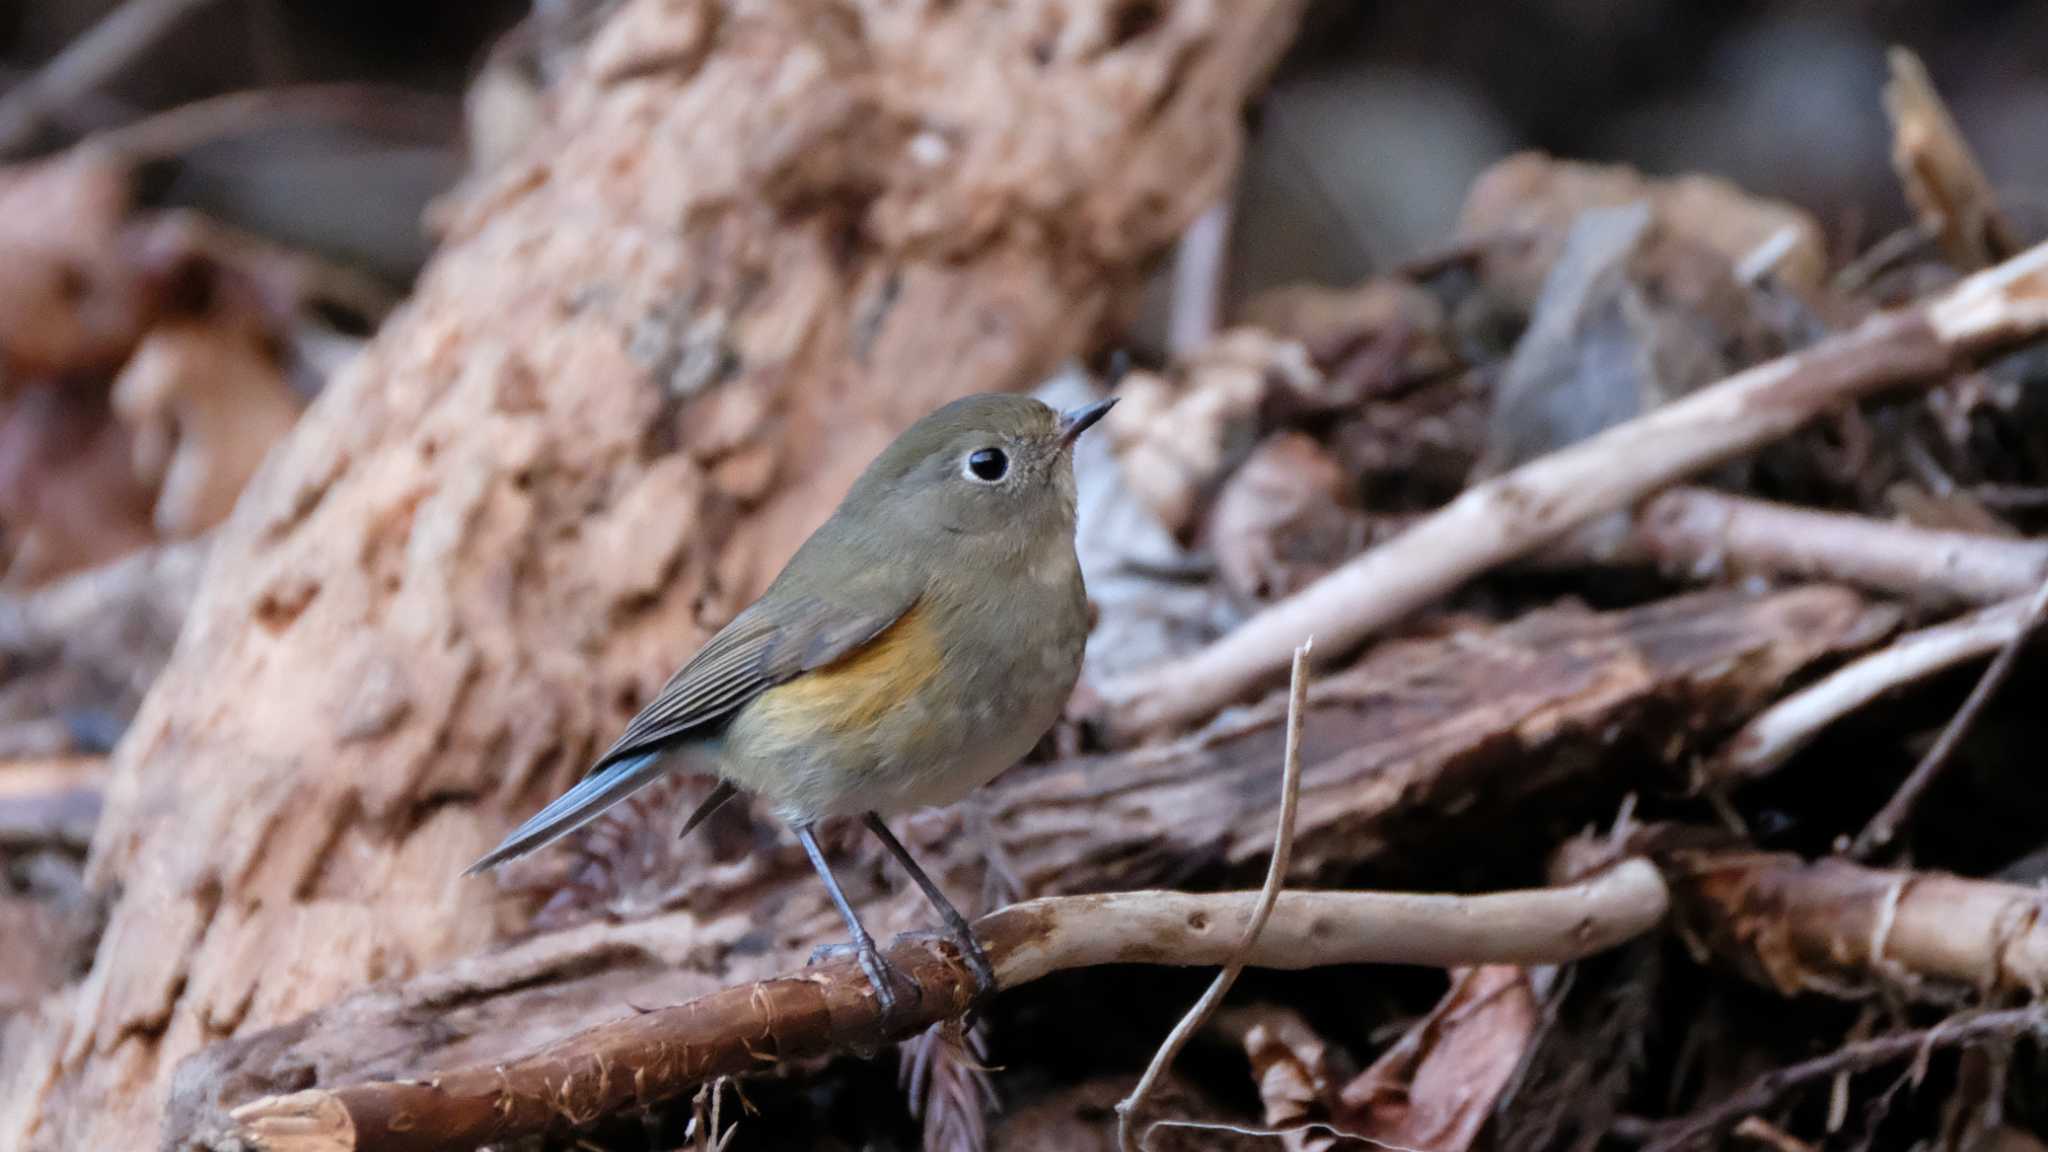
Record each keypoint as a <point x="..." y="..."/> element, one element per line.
<point x="861" y="687"/>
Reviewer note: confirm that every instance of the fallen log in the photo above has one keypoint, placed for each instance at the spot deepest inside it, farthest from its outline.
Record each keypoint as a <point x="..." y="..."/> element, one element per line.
<point x="1427" y="747"/>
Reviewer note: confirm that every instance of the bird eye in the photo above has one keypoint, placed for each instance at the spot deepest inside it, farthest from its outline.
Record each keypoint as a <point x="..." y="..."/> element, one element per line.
<point x="987" y="464"/>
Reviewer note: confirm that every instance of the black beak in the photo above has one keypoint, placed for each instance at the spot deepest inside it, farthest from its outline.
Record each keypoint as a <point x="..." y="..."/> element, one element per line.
<point x="1075" y="421"/>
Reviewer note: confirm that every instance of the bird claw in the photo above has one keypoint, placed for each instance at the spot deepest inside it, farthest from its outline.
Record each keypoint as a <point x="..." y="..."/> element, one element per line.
<point x="824" y="952"/>
<point x="882" y="977"/>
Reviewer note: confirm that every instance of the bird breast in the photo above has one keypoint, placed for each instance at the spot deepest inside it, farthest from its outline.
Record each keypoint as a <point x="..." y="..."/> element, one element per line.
<point x="948" y="696"/>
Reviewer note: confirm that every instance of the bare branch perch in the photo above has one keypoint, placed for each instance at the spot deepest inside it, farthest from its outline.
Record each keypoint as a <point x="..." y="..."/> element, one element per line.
<point x="644" y="1059"/>
<point x="1518" y="512"/>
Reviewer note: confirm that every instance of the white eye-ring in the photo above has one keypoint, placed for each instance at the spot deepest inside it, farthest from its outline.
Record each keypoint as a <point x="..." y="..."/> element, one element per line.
<point x="986" y="465"/>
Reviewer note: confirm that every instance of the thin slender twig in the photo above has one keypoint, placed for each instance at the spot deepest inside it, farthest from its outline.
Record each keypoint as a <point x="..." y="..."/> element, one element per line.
<point x="1703" y="534"/>
<point x="1774" y="735"/>
<point x="85" y="64"/>
<point x="1767" y="1089"/>
<point x="1885" y="825"/>
<point x="1857" y="274"/>
<point x="1269" y="894"/>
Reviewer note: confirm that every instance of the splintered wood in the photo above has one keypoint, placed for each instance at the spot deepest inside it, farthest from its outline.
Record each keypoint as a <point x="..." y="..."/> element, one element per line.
<point x="1940" y="173"/>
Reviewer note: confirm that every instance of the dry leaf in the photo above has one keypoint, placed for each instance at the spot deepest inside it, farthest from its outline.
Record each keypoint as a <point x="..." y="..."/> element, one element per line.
<point x="1437" y="1086"/>
<point x="69" y="497"/>
<point x="1633" y="314"/>
<point x="70" y="302"/>
<point x="1291" y="1065"/>
<point x="1366" y="340"/>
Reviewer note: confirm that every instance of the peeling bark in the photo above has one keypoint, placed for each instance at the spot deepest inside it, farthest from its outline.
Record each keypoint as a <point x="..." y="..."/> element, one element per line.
<point x="1840" y="929"/>
<point x="756" y="241"/>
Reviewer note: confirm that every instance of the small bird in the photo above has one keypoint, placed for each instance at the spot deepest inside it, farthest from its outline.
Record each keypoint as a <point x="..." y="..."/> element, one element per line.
<point x="919" y="643"/>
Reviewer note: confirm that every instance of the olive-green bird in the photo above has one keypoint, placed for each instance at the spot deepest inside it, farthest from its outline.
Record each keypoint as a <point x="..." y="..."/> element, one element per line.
<point x="920" y="642"/>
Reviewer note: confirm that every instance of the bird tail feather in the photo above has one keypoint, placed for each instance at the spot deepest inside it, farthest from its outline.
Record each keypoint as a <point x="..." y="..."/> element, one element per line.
<point x="574" y="808"/>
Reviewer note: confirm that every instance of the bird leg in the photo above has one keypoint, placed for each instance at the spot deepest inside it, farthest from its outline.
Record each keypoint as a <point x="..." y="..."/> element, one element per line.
<point x="878" y="971"/>
<point x="956" y="924"/>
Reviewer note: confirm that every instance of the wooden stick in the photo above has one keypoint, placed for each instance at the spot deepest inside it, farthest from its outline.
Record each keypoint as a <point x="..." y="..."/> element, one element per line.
<point x="1200" y="271"/>
<point x="51" y="803"/>
<point x="645" y="1059"/>
<point x="1780" y="731"/>
<point x="1702" y="534"/>
<point x="1885" y="825"/>
<point x="1837" y="928"/>
<point x="86" y="63"/>
<point x="1520" y="511"/>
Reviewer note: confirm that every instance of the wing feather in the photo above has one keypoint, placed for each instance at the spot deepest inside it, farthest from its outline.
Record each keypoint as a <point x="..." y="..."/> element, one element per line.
<point x="770" y="643"/>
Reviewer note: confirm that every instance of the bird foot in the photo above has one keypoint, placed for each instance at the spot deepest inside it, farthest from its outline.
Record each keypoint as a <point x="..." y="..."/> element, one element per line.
<point x="882" y="977"/>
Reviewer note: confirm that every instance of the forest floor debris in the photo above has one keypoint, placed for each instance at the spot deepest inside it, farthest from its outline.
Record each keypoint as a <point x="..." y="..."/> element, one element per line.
<point x="1463" y="475"/>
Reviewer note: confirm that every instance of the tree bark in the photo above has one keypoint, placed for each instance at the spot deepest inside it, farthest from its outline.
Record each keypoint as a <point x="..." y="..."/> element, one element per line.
<point x="754" y="242"/>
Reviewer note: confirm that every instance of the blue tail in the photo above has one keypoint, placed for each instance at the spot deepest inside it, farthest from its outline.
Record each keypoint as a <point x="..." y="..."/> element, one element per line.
<point x="574" y="808"/>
